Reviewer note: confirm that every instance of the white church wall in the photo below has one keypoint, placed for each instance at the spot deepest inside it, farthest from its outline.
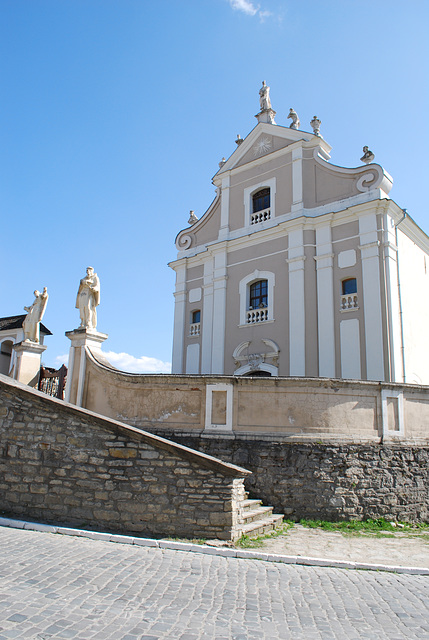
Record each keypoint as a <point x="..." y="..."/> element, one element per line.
<point x="414" y="287"/>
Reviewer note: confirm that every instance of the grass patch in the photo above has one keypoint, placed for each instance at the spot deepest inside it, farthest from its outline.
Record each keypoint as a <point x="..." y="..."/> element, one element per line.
<point x="246" y="542"/>
<point x="379" y="527"/>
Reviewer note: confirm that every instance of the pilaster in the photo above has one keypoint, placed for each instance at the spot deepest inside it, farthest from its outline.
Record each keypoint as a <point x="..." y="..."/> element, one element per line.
<point x="396" y="364"/>
<point x="325" y="302"/>
<point x="207" y="318"/>
<point x="81" y="339"/>
<point x="297" y="191"/>
<point x="179" y="319"/>
<point x="219" y="309"/>
<point x="369" y="248"/>
<point x="28" y="358"/>
<point x="296" y="303"/>
<point x="224" y="208"/>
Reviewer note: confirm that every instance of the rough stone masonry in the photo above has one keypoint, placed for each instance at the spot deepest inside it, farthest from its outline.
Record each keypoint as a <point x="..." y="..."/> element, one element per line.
<point x="60" y="463"/>
<point x="328" y="480"/>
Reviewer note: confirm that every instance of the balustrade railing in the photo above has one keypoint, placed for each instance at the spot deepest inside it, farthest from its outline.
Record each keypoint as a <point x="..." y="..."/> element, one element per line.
<point x="260" y="216"/>
<point x="256" y="315"/>
<point x="195" y="329"/>
<point x="349" y="301"/>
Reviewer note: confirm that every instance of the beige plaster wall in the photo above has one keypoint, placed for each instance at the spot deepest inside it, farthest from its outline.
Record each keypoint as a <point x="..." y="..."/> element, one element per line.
<point x="345" y="237"/>
<point x="277" y="143"/>
<point x="271" y="257"/>
<point x="279" y="168"/>
<point x="296" y="408"/>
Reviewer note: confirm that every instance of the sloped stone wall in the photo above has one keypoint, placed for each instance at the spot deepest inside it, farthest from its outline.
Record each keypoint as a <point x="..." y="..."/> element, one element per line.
<point x="62" y="464"/>
<point x="330" y="481"/>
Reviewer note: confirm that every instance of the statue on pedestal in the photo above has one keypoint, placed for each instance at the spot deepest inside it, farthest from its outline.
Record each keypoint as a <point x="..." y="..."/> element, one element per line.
<point x="264" y="97"/>
<point x="31" y="323"/>
<point x="88" y="298"/>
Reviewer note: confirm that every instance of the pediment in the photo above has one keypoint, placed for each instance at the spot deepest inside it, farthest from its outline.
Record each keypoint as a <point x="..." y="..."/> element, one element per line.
<point x="263" y="140"/>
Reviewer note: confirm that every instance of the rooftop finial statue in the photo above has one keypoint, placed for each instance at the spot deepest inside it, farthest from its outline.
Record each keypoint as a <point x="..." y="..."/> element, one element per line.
<point x="31" y="324"/>
<point x="88" y="298"/>
<point x="295" y="120"/>
<point x="264" y="97"/>
<point x="192" y="217"/>
<point x="315" y="125"/>
<point x="368" y="155"/>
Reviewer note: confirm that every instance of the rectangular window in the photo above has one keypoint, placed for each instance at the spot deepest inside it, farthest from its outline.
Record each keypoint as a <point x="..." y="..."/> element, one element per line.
<point x="258" y="298"/>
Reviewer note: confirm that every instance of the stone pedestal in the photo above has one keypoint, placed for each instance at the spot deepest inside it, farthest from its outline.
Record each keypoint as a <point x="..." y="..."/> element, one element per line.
<point x="28" y="360"/>
<point x="81" y="339"/>
<point x="267" y="115"/>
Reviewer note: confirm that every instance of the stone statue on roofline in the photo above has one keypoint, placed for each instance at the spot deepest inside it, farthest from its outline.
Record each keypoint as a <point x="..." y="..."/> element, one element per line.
<point x="295" y="120"/>
<point x="267" y="113"/>
<point x="31" y="323"/>
<point x="368" y="155"/>
<point x="264" y="97"/>
<point x="88" y="299"/>
<point x="192" y="217"/>
<point x="315" y="125"/>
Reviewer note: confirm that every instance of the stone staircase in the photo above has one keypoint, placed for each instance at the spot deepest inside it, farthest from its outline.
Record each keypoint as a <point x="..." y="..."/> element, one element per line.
<point x="257" y="519"/>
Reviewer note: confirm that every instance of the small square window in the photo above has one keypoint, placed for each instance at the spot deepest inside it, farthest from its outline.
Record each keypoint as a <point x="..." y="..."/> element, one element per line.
<point x="349" y="298"/>
<point x="349" y="286"/>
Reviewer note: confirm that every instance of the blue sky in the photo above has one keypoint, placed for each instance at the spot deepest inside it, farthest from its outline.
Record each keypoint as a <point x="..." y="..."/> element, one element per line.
<point x="115" y="113"/>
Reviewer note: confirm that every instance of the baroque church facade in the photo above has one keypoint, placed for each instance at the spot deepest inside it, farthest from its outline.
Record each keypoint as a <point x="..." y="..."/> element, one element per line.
<point x="301" y="268"/>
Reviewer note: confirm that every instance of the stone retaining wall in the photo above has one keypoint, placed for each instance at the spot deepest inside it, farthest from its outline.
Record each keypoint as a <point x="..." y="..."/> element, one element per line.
<point x="62" y="464"/>
<point x="329" y="481"/>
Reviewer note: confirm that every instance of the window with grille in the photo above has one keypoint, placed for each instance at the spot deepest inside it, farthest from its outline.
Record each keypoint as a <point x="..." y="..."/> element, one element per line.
<point x="258" y="298"/>
<point x="261" y="200"/>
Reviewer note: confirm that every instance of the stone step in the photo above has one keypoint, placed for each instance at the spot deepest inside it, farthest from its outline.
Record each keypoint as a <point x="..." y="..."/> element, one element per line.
<point x="250" y="505"/>
<point x="260" y="513"/>
<point x="259" y="527"/>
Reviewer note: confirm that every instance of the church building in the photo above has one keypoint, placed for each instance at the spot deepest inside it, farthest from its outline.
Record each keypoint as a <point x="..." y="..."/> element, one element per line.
<point x="300" y="267"/>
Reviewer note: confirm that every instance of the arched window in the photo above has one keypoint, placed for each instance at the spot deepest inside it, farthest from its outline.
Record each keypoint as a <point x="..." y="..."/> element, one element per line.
<point x="349" y="298"/>
<point x="258" y="374"/>
<point x="261" y="206"/>
<point x="261" y="200"/>
<point x="5" y="356"/>
<point x="258" y="294"/>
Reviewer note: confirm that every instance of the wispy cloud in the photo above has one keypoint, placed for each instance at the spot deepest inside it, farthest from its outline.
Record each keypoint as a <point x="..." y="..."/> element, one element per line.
<point x="250" y="9"/>
<point x="129" y="363"/>
<point x="245" y="6"/>
<point x="143" y="364"/>
<point x="265" y="14"/>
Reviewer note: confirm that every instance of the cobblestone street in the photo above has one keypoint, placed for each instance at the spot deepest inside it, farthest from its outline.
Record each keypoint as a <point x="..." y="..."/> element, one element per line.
<point x="54" y="586"/>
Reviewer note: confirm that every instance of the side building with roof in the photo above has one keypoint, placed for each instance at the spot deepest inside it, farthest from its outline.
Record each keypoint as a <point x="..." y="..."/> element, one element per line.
<point x="301" y="268"/>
